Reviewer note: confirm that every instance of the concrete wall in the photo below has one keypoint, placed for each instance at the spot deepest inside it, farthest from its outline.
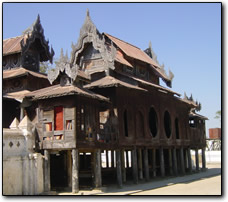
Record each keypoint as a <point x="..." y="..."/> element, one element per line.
<point x="22" y="167"/>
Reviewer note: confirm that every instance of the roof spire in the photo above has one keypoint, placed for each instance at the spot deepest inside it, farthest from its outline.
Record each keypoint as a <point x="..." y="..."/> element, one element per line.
<point x="87" y="12"/>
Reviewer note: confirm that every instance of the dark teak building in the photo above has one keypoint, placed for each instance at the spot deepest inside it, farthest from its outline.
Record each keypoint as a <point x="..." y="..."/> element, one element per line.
<point x="107" y="101"/>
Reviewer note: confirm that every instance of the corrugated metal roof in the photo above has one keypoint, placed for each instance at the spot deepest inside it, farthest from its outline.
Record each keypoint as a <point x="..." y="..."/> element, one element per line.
<point x="20" y="71"/>
<point x="12" y="45"/>
<point x="60" y="91"/>
<point x="19" y="95"/>
<point x="121" y="59"/>
<point x="132" y="51"/>
<point x="109" y="81"/>
<point x="137" y="53"/>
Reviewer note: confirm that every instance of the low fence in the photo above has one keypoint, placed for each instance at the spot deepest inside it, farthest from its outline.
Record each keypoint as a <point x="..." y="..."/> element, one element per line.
<point x="22" y="168"/>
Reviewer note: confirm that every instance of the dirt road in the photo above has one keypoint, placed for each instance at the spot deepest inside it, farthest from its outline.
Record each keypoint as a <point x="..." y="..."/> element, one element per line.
<point x="207" y="186"/>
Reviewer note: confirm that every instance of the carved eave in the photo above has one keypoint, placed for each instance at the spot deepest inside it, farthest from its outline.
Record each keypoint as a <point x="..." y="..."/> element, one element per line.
<point x="63" y="69"/>
<point x="161" y="71"/>
<point x="38" y="33"/>
<point x="90" y="34"/>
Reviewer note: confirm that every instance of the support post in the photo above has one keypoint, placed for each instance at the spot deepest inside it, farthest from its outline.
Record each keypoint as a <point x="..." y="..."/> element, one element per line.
<point x="203" y="159"/>
<point x="97" y="169"/>
<point x="47" y="182"/>
<point x="154" y="162"/>
<point x="182" y="160"/>
<point x="112" y="158"/>
<point x="146" y="164"/>
<point x="107" y="159"/>
<point x="75" y="167"/>
<point x="170" y="162"/>
<point x="123" y="166"/>
<point x="118" y="168"/>
<point x="127" y="159"/>
<point x="140" y="167"/>
<point x="162" y="163"/>
<point x="134" y="165"/>
<point x="22" y="114"/>
<point x="175" y="161"/>
<point x="197" y="159"/>
<point x="189" y="160"/>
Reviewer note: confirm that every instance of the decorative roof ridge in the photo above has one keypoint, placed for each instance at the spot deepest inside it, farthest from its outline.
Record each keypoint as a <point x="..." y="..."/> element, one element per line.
<point x="37" y="32"/>
<point x="122" y="40"/>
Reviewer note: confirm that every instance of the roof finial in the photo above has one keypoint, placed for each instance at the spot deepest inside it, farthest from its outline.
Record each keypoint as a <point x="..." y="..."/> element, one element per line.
<point x="87" y="12"/>
<point x="150" y="45"/>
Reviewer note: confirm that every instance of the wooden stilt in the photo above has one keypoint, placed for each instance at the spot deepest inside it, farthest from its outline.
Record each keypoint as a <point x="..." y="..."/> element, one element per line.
<point x="197" y="159"/>
<point x="203" y="159"/>
<point x="162" y="163"/>
<point x="154" y="162"/>
<point x="170" y="162"/>
<point x="47" y="181"/>
<point x="146" y="164"/>
<point x="112" y="158"/>
<point x="118" y="168"/>
<point x="140" y="167"/>
<point x="175" y="162"/>
<point x="97" y="168"/>
<point x="107" y="159"/>
<point x="127" y="159"/>
<point x="123" y="165"/>
<point x="134" y="166"/>
<point x="75" y="167"/>
<point x="182" y="161"/>
<point x="189" y="160"/>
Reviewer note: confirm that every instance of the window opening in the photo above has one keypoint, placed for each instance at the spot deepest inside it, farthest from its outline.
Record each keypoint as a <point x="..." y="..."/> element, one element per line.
<point x="167" y="124"/>
<point x="153" y="120"/>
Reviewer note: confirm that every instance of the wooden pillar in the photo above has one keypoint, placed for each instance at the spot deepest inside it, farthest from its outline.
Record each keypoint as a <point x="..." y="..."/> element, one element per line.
<point x="69" y="168"/>
<point x="47" y="181"/>
<point x="134" y="166"/>
<point x="112" y="158"/>
<point x="118" y="168"/>
<point x="75" y="171"/>
<point x="203" y="159"/>
<point x="123" y="169"/>
<point x="182" y="161"/>
<point x="22" y="113"/>
<point x="170" y="162"/>
<point x="146" y="164"/>
<point x="107" y="159"/>
<point x="162" y="163"/>
<point x="140" y="167"/>
<point x="197" y="159"/>
<point x="175" y="162"/>
<point x="97" y="168"/>
<point x="127" y="159"/>
<point x="189" y="160"/>
<point x="154" y="162"/>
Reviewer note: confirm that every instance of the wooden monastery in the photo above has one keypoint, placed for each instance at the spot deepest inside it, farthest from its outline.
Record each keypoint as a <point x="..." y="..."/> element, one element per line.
<point x="103" y="116"/>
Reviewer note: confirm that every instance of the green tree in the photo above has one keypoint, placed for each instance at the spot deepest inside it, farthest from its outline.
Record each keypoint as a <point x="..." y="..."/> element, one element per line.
<point x="45" y="66"/>
<point x="218" y="115"/>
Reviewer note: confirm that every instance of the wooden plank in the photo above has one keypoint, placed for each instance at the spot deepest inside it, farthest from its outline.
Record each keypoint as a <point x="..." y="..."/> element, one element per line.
<point x="182" y="160"/>
<point x="189" y="160"/>
<point x="123" y="169"/>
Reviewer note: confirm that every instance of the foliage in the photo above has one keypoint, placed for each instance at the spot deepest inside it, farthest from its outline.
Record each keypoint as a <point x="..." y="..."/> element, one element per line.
<point x="218" y="115"/>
